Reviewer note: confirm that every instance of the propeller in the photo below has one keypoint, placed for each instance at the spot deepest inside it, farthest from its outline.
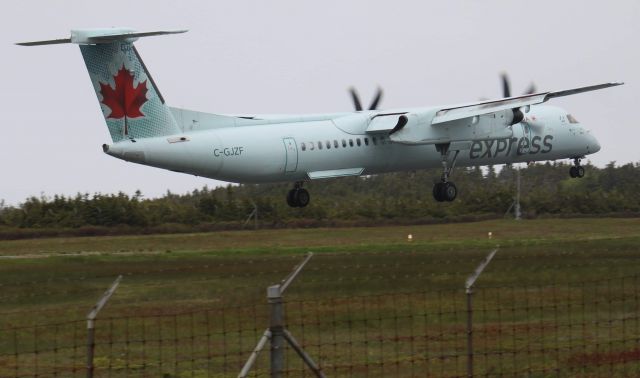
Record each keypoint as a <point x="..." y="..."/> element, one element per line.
<point x="531" y="89"/>
<point x="518" y="116"/>
<point x="506" y="86"/>
<point x="356" y="99"/>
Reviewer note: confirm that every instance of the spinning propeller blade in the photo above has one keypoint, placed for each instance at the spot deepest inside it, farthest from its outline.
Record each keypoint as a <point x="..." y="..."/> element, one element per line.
<point x="356" y="99"/>
<point x="531" y="89"/>
<point x="376" y="99"/>
<point x="506" y="88"/>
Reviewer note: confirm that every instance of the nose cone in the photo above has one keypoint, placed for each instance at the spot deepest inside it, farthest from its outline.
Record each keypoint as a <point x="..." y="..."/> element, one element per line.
<point x="593" y="145"/>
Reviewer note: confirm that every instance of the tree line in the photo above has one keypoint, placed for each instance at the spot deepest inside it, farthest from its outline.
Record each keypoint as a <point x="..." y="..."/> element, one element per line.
<point x="546" y="190"/>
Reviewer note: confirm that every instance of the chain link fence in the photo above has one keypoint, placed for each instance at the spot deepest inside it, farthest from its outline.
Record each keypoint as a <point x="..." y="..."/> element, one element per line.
<point x="582" y="328"/>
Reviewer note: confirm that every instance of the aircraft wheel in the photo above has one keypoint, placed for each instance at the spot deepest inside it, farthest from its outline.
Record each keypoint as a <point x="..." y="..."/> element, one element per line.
<point x="437" y="192"/>
<point x="449" y="191"/>
<point x="291" y="200"/>
<point x="302" y="197"/>
<point x="573" y="172"/>
<point x="579" y="172"/>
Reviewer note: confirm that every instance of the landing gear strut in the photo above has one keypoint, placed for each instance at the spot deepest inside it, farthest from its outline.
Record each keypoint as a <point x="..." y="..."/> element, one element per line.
<point x="445" y="190"/>
<point x="576" y="171"/>
<point x="298" y="197"/>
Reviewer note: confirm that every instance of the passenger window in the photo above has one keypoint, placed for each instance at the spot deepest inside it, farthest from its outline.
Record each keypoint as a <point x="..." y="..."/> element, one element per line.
<point x="358" y="142"/>
<point x="335" y="143"/>
<point x="366" y="141"/>
<point x="311" y="146"/>
<point x="319" y="145"/>
<point x="303" y="146"/>
<point x="572" y="119"/>
<point x="344" y="143"/>
<point x="328" y="144"/>
<point x="350" y="142"/>
<point x="375" y="141"/>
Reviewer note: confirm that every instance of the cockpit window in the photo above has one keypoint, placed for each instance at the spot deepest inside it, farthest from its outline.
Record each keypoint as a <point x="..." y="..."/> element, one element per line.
<point x="572" y="119"/>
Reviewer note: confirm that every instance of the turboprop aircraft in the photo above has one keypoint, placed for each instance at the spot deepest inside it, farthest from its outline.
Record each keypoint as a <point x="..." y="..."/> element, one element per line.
<point x="298" y="148"/>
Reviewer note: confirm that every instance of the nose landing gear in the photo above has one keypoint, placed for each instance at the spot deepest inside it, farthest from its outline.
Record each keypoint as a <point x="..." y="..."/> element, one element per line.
<point x="445" y="190"/>
<point x="298" y="197"/>
<point x="576" y="171"/>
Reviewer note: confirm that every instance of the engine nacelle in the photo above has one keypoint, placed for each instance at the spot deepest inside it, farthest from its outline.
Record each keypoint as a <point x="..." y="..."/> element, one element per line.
<point x="416" y="127"/>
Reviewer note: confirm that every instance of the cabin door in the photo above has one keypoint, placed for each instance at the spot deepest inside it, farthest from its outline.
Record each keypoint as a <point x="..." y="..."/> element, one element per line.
<point x="291" y="150"/>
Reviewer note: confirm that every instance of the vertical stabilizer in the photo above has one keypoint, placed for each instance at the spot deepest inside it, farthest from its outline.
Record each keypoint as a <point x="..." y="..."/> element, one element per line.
<point x="130" y="101"/>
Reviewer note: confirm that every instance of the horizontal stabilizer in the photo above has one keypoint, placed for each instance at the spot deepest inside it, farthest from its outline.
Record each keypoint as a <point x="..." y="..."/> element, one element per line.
<point x="48" y="42"/>
<point x="98" y="36"/>
<point x="124" y="36"/>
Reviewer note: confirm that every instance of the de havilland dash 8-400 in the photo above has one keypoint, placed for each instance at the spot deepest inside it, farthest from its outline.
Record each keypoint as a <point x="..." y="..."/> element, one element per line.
<point x="299" y="148"/>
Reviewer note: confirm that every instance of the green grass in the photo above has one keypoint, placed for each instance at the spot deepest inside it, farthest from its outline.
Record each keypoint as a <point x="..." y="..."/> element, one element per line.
<point x="282" y="241"/>
<point x="365" y="287"/>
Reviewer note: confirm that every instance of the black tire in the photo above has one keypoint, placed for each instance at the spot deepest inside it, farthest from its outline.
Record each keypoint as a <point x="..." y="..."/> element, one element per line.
<point x="302" y="197"/>
<point x="437" y="192"/>
<point x="580" y="172"/>
<point x="449" y="191"/>
<point x="291" y="198"/>
<point x="573" y="172"/>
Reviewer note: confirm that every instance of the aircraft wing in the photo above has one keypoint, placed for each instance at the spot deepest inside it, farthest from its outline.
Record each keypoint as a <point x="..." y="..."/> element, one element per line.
<point x="486" y="107"/>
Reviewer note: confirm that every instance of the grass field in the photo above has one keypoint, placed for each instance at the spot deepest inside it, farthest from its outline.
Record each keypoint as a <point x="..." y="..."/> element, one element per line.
<point x="58" y="280"/>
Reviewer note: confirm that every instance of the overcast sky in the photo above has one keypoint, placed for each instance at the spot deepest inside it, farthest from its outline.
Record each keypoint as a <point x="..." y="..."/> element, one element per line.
<point x="296" y="57"/>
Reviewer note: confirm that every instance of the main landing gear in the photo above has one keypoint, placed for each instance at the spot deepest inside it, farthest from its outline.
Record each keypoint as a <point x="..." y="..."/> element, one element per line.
<point x="298" y="197"/>
<point x="445" y="190"/>
<point x="576" y="171"/>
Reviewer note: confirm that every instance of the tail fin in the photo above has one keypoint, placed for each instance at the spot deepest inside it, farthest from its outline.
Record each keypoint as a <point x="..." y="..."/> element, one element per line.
<point x="129" y="98"/>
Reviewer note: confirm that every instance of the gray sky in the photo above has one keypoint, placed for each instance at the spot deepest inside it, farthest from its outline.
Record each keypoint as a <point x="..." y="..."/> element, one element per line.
<point x="296" y="57"/>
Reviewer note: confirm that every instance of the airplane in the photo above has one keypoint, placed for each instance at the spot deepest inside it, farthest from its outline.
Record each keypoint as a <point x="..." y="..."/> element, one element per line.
<point x="260" y="148"/>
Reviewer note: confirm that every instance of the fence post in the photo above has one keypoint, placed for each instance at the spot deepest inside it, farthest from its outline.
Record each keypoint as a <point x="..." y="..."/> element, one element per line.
<point x="471" y="280"/>
<point x="278" y="334"/>
<point x="91" y="316"/>
<point x="276" y="327"/>
<point x="469" y="293"/>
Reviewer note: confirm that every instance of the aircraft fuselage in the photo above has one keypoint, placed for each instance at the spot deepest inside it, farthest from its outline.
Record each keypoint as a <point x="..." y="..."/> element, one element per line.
<point x="294" y="151"/>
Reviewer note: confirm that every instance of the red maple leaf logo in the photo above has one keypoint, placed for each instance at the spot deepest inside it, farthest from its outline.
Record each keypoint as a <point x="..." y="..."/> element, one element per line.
<point x="124" y="100"/>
